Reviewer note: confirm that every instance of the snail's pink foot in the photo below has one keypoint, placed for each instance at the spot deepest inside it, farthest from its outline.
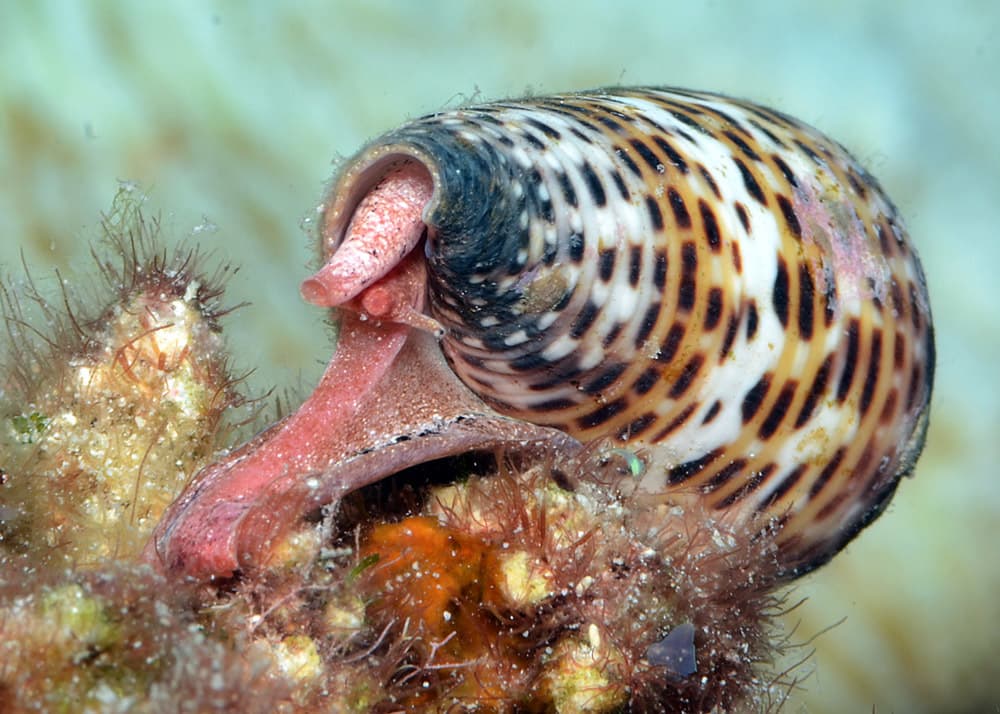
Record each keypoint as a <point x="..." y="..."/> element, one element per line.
<point x="386" y="401"/>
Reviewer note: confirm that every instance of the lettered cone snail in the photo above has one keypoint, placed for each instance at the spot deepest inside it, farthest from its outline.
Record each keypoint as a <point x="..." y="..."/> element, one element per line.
<point x="696" y="276"/>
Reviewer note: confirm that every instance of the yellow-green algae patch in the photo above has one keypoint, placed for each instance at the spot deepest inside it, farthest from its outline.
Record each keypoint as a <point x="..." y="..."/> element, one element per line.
<point x="113" y="401"/>
<point x="120" y="640"/>
<point x="585" y="674"/>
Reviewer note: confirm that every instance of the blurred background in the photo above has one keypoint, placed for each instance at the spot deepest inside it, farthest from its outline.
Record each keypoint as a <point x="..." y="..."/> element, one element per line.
<point x="230" y="115"/>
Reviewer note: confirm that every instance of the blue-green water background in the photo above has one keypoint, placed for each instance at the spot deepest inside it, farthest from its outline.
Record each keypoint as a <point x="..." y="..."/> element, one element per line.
<point x="230" y="114"/>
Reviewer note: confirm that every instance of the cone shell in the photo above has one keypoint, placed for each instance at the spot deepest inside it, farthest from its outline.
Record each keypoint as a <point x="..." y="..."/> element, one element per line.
<point x="699" y="278"/>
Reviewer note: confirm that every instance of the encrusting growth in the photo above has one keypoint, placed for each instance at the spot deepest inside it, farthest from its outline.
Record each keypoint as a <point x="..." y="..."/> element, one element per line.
<point x="518" y="595"/>
<point x="110" y="406"/>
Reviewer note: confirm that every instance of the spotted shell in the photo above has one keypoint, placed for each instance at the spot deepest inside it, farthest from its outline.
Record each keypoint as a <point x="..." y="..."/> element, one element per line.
<point x="683" y="272"/>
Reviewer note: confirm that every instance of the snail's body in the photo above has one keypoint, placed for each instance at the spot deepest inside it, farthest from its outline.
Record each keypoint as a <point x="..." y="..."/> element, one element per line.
<point x="681" y="272"/>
